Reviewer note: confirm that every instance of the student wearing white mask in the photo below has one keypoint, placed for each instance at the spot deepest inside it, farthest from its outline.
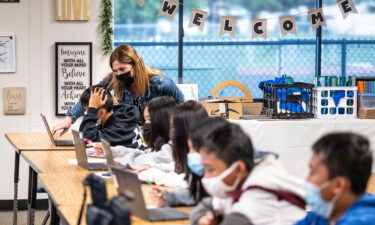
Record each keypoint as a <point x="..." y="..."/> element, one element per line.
<point x="340" y="168"/>
<point x="243" y="192"/>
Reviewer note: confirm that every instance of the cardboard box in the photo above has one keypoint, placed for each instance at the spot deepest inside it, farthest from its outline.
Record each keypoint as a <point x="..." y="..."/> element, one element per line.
<point x="366" y="113"/>
<point x="252" y="108"/>
<point x="233" y="110"/>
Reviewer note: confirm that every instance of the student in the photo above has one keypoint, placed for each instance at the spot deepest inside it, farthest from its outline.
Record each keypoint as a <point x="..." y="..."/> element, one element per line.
<point x="242" y="192"/>
<point x="157" y="114"/>
<point x="132" y="81"/>
<point x="118" y="128"/>
<point x="185" y="117"/>
<point x="340" y="168"/>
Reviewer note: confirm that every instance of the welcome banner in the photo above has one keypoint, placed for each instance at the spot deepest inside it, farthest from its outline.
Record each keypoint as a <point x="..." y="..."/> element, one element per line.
<point x="259" y="26"/>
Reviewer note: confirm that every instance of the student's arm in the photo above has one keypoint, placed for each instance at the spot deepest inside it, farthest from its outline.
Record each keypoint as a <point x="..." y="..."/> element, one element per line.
<point x="78" y="110"/>
<point x="88" y="126"/>
<point x="204" y="206"/>
<point x="178" y="198"/>
<point x="235" y="218"/>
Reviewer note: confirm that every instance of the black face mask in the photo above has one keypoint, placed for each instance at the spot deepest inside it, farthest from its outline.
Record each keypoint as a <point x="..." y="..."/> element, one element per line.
<point x="126" y="79"/>
<point x="147" y="132"/>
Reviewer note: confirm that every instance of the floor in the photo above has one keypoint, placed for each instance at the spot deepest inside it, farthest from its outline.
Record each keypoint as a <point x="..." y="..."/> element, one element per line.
<point x="6" y="218"/>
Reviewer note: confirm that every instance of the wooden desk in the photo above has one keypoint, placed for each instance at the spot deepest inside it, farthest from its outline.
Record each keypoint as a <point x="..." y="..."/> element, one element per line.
<point x="66" y="192"/>
<point x="35" y="142"/>
<point x="51" y="161"/>
<point x="71" y="214"/>
<point x="371" y="184"/>
<point x="29" y="142"/>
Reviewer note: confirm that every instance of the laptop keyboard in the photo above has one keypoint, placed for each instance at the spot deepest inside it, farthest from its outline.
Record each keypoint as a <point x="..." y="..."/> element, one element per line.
<point x="164" y="214"/>
<point x="64" y="142"/>
<point x="98" y="166"/>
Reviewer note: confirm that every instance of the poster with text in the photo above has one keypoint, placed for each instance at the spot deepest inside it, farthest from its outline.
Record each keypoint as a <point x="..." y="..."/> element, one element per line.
<point x="73" y="73"/>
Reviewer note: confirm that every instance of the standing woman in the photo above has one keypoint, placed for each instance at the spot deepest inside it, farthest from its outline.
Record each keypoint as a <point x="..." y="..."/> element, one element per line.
<point x="132" y="81"/>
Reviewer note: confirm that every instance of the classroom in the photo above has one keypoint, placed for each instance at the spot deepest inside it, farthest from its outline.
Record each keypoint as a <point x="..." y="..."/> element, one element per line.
<point x="119" y="112"/>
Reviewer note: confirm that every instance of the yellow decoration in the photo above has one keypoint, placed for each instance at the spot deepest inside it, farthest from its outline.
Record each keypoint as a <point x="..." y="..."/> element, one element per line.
<point x="72" y="10"/>
<point x="233" y="83"/>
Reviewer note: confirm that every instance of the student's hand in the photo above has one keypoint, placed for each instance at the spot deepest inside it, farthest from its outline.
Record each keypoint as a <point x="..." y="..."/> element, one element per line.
<point x="117" y="159"/>
<point x="99" y="151"/>
<point x="208" y="219"/>
<point x="63" y="125"/>
<point x="142" y="168"/>
<point x="96" y="98"/>
<point x="157" y="196"/>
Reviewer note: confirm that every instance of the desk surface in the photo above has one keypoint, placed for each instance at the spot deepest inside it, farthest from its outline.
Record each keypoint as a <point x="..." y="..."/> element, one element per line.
<point x="71" y="214"/>
<point x="35" y="142"/>
<point x="371" y="184"/>
<point x="51" y="161"/>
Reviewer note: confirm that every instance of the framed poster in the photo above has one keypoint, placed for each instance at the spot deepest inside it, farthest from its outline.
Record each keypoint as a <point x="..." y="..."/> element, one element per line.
<point x="7" y="53"/>
<point x="73" y="73"/>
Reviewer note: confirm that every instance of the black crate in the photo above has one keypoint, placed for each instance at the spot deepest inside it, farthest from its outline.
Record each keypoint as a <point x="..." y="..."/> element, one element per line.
<point x="288" y="101"/>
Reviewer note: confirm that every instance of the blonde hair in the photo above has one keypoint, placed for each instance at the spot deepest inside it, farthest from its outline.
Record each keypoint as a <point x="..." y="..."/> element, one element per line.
<point x="142" y="73"/>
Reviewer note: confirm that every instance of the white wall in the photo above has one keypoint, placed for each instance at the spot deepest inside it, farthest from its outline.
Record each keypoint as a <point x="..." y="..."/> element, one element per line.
<point x="33" y="23"/>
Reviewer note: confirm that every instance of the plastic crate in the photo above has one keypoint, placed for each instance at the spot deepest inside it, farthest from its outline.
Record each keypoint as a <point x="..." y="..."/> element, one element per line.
<point x="288" y="101"/>
<point x="324" y="104"/>
<point x="366" y="100"/>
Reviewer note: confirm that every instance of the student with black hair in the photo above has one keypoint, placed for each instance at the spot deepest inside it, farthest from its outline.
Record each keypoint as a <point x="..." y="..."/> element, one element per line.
<point x="340" y="168"/>
<point x="116" y="125"/>
<point x="185" y="117"/>
<point x="243" y="192"/>
<point x="157" y="116"/>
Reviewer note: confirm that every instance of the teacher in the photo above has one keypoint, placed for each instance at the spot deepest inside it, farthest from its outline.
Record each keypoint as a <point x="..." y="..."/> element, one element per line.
<point x="132" y="82"/>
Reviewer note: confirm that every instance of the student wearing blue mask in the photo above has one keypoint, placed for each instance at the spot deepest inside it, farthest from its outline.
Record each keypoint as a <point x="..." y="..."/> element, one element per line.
<point x="185" y="117"/>
<point x="242" y="191"/>
<point x="340" y="168"/>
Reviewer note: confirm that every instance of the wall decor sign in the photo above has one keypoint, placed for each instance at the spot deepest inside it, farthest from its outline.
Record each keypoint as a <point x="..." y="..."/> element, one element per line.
<point x="72" y="10"/>
<point x="73" y="73"/>
<point x="14" y="100"/>
<point x="7" y="53"/>
<point x="9" y="1"/>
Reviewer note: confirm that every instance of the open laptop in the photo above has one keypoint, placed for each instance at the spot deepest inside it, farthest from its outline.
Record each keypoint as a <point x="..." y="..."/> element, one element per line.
<point x="109" y="156"/>
<point x="80" y="150"/>
<point x="128" y="181"/>
<point x="55" y="142"/>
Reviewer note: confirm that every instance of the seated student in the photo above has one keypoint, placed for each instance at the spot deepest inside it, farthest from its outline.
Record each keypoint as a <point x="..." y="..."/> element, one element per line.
<point x="242" y="192"/>
<point x="118" y="125"/>
<point x="185" y="117"/>
<point x="335" y="189"/>
<point x="157" y="114"/>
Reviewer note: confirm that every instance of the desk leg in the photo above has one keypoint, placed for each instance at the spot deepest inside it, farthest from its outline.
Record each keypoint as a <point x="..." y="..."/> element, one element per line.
<point x="55" y="220"/>
<point x="16" y="178"/>
<point x="33" y="179"/>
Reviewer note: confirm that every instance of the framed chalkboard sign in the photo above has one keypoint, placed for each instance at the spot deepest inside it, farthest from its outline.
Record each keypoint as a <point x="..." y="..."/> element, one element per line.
<point x="7" y="54"/>
<point x="73" y="73"/>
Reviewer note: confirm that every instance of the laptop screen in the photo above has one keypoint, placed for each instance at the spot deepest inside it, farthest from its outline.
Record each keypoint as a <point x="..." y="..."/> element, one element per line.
<point x="47" y="128"/>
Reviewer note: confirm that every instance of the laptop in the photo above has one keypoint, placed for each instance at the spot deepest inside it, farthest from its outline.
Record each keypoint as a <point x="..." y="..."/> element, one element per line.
<point x="128" y="181"/>
<point x="55" y="142"/>
<point x="80" y="150"/>
<point x="109" y="156"/>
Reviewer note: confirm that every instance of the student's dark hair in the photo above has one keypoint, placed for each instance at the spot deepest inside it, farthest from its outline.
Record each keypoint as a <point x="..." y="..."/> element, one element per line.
<point x="160" y="110"/>
<point x="197" y="137"/>
<point x="85" y="97"/>
<point x="347" y="155"/>
<point x="229" y="143"/>
<point x="185" y="117"/>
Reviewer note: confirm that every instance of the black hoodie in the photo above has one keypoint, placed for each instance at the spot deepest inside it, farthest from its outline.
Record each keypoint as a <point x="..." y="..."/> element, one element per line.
<point x="121" y="128"/>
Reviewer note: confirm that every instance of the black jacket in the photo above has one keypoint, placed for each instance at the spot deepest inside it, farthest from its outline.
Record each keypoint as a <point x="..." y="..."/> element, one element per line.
<point x="121" y="128"/>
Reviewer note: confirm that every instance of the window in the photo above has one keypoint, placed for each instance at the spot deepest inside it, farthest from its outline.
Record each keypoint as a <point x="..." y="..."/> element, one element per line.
<point x="210" y="58"/>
